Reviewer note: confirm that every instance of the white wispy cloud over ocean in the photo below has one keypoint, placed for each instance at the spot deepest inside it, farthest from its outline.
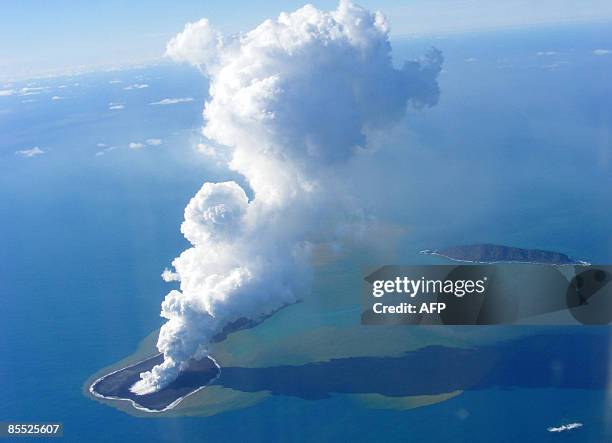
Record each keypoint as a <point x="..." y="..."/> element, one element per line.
<point x="32" y="152"/>
<point x="136" y="86"/>
<point x="31" y="90"/>
<point x="104" y="148"/>
<point x="147" y="142"/>
<point x="564" y="428"/>
<point x="173" y="101"/>
<point x="602" y="52"/>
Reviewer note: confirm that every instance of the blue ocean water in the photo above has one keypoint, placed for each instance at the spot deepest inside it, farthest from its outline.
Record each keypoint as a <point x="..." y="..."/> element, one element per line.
<point x="518" y="151"/>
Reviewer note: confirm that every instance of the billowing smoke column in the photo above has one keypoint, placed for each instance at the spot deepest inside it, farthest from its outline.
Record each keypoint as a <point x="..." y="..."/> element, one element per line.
<point x="293" y="100"/>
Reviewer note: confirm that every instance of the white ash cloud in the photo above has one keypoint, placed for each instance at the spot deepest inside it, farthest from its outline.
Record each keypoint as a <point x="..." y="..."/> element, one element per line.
<point x="293" y="101"/>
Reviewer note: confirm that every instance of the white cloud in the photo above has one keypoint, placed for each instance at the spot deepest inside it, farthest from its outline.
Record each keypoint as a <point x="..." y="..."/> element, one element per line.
<point x="567" y="427"/>
<point x="57" y="97"/>
<point x="136" y="86"/>
<point x="218" y="154"/>
<point x="149" y="142"/>
<point x="602" y="52"/>
<point x="169" y="276"/>
<point x="546" y="53"/>
<point x="6" y="92"/>
<point x="115" y="106"/>
<point x="294" y="101"/>
<point x="556" y="65"/>
<point x="173" y="101"/>
<point x="112" y="82"/>
<point x="198" y="44"/>
<point x="32" y="152"/>
<point x="207" y="150"/>
<point x="31" y="90"/>
<point x="105" y="149"/>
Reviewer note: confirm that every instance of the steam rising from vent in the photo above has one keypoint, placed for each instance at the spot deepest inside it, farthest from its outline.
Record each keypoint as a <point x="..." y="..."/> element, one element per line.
<point x="293" y="100"/>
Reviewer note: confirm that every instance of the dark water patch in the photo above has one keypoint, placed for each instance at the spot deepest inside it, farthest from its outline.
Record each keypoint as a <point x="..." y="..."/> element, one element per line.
<point x="562" y="361"/>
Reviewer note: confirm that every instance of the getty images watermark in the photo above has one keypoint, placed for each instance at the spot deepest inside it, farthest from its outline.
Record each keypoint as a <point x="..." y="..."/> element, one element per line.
<point x="487" y="295"/>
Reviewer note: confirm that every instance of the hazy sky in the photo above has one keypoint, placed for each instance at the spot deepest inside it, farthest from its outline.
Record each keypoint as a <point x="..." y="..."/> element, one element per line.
<point x="39" y="36"/>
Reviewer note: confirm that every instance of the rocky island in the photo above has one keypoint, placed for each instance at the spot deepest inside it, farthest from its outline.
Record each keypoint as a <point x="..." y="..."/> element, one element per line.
<point x="197" y="375"/>
<point x="116" y="385"/>
<point x="491" y="253"/>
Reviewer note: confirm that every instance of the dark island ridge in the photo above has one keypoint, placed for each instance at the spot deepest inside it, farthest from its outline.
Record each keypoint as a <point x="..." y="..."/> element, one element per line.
<point x="431" y="370"/>
<point x="491" y="253"/>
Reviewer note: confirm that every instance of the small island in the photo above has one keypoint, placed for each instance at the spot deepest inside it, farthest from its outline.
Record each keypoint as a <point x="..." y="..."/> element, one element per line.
<point x="198" y="374"/>
<point x="116" y="385"/>
<point x="491" y="253"/>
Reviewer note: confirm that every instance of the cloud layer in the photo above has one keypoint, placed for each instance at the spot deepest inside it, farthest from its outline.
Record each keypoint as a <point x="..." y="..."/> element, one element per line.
<point x="293" y="101"/>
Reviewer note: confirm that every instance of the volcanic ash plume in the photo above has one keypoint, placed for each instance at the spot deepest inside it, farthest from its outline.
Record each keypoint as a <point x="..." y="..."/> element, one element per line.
<point x="293" y="101"/>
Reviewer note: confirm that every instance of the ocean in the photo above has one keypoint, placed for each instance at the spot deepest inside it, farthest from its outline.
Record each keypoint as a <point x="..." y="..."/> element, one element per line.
<point x="518" y="151"/>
